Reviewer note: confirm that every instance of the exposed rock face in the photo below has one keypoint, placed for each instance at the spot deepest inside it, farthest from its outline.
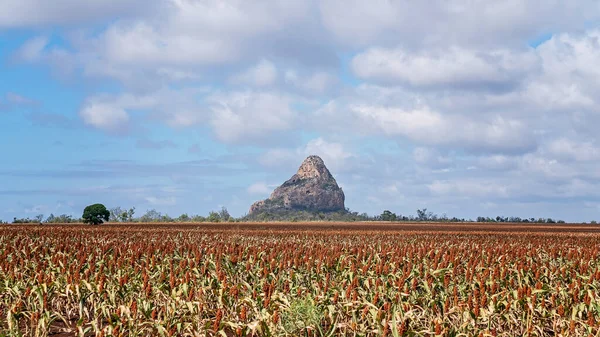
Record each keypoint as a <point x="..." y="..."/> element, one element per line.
<point x="312" y="188"/>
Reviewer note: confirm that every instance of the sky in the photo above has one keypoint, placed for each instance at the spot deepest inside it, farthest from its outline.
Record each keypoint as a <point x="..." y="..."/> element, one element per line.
<point x="466" y="108"/>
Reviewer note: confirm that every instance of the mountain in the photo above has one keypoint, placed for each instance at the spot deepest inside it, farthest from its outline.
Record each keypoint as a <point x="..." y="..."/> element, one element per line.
<point x="311" y="189"/>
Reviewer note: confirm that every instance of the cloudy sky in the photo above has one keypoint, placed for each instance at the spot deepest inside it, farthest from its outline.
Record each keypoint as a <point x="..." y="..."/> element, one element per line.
<point x="464" y="107"/>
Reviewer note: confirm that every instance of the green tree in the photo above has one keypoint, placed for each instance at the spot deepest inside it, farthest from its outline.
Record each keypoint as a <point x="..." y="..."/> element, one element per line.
<point x="214" y="217"/>
<point x="184" y="218"/>
<point x="130" y="214"/>
<point x="388" y="216"/>
<point x="224" y="214"/>
<point x="422" y="214"/>
<point x="95" y="214"/>
<point x="123" y="216"/>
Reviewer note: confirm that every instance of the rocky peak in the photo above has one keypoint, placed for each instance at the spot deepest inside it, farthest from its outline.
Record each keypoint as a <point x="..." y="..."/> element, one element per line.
<point x="313" y="167"/>
<point x="312" y="188"/>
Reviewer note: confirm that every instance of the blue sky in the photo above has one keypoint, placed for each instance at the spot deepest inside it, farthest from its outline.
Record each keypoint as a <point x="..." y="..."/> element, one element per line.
<point x="465" y="108"/>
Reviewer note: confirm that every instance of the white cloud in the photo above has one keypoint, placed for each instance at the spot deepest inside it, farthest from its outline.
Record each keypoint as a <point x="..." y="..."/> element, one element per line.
<point x="469" y="188"/>
<point x="13" y="98"/>
<point x="569" y="79"/>
<point x="174" y="74"/>
<point x="277" y="157"/>
<point x="425" y="126"/>
<point x="177" y="108"/>
<point x="262" y="74"/>
<point x="452" y="22"/>
<point x="449" y="68"/>
<point x="568" y="149"/>
<point x="32" y="50"/>
<point x="183" y="37"/>
<point x="161" y="201"/>
<point x="334" y="154"/>
<point x="140" y="44"/>
<point x="104" y="116"/>
<point x="319" y="82"/>
<point x="35" y="13"/>
<point x="250" y="116"/>
<point x="259" y="188"/>
<point x="497" y="162"/>
<point x="431" y="158"/>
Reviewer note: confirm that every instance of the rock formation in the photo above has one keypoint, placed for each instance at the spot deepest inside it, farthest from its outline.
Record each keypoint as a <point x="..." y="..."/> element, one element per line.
<point x="312" y="188"/>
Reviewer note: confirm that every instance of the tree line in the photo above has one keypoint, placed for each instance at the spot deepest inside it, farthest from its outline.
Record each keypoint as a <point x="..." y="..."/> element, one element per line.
<point x="428" y="216"/>
<point x="124" y="215"/>
<point x="98" y="213"/>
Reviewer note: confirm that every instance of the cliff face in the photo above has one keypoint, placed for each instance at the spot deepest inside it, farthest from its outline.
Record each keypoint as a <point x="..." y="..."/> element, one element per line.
<point x="312" y="188"/>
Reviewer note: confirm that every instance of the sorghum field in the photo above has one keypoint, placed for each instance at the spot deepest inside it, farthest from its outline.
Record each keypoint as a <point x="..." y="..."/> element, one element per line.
<point x="300" y="280"/>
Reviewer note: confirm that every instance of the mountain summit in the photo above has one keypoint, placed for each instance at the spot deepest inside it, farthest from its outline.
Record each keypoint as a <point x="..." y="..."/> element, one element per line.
<point x="312" y="188"/>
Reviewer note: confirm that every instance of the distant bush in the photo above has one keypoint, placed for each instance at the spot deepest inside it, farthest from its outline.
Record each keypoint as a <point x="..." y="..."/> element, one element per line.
<point x="37" y="219"/>
<point x="63" y="218"/>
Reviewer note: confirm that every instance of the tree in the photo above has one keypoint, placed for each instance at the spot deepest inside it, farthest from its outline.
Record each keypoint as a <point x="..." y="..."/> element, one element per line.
<point x="224" y="214"/>
<point x="151" y="216"/>
<point x="63" y="218"/>
<point x="183" y="218"/>
<point x="388" y="216"/>
<point x="214" y="217"/>
<point x="423" y="215"/>
<point x="115" y="214"/>
<point x="198" y="218"/>
<point x="123" y="216"/>
<point x="130" y="214"/>
<point x="95" y="214"/>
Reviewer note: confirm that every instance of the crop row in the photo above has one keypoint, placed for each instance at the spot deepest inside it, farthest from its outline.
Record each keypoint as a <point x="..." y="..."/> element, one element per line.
<point x="202" y="283"/>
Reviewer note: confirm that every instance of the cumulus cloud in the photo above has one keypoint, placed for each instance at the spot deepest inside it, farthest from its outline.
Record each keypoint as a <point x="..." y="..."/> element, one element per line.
<point x="278" y="157"/>
<point x="177" y="108"/>
<point x="12" y="100"/>
<point x="319" y="82"/>
<point x="454" y="68"/>
<point x="32" y="50"/>
<point x="443" y="22"/>
<point x="37" y="13"/>
<point x="568" y="149"/>
<point x="187" y="35"/>
<point x="262" y="74"/>
<point x="568" y="81"/>
<point x="333" y="152"/>
<point x="430" y="157"/>
<point x="104" y="116"/>
<point x="422" y="124"/>
<point x="469" y="188"/>
<point x="161" y="201"/>
<point x="335" y="155"/>
<point x="260" y="188"/>
<point x="250" y="116"/>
